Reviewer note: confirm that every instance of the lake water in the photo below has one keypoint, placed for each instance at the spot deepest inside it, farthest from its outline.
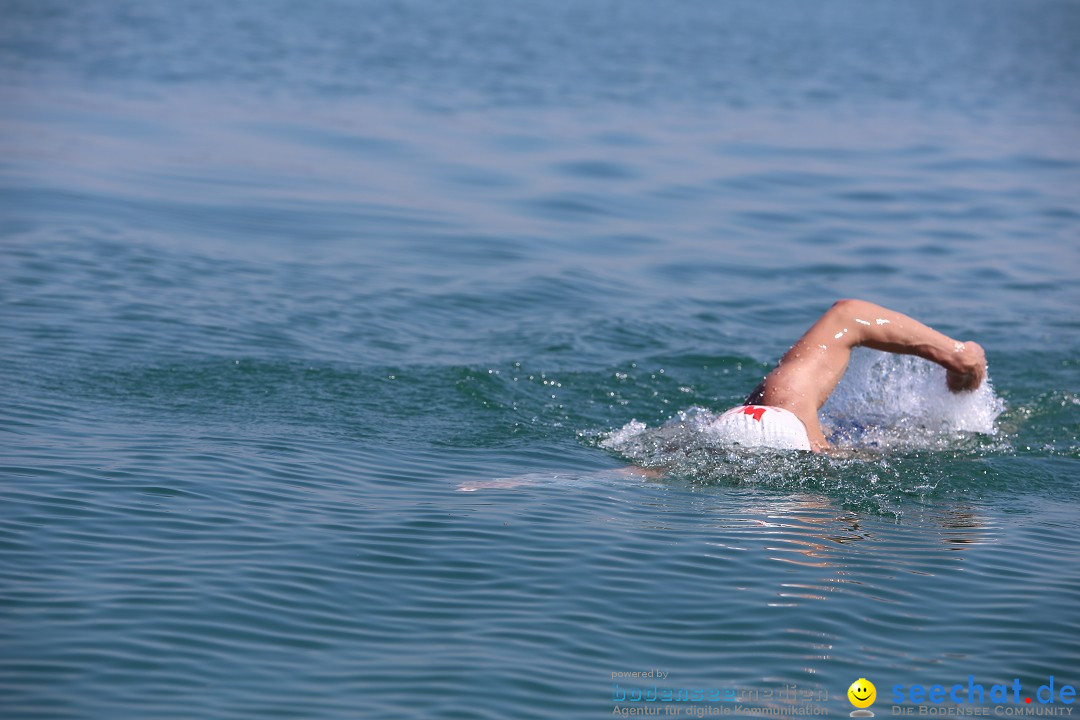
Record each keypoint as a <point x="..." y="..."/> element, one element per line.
<point x="280" y="280"/>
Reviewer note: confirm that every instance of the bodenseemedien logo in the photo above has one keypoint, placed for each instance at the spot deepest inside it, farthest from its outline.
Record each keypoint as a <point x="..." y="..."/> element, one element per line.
<point x="862" y="695"/>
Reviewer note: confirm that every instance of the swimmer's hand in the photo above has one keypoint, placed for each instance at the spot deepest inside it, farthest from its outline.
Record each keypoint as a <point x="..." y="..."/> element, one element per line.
<point x="966" y="367"/>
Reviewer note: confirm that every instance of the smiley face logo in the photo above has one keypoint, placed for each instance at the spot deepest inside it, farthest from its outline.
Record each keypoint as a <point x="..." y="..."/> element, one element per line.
<point x="862" y="693"/>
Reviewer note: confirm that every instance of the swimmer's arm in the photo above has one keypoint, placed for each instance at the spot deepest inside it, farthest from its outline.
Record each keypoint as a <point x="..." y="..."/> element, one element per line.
<point x="809" y="371"/>
<point x="869" y="325"/>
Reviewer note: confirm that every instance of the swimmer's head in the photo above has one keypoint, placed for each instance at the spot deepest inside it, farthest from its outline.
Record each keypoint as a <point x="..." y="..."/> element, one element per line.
<point x="761" y="426"/>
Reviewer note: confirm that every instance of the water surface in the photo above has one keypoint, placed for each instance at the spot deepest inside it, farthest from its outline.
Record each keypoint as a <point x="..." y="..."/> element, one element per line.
<point x="279" y="279"/>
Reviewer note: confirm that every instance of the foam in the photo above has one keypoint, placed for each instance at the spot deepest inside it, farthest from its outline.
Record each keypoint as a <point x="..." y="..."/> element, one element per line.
<point x="905" y="397"/>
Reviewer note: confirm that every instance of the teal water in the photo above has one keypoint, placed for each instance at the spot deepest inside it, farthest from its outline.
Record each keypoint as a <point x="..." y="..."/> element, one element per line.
<point x="281" y="280"/>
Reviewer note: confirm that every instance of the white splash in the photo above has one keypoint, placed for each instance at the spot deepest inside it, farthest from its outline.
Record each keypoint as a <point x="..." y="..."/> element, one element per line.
<point x="621" y="438"/>
<point x="902" y="394"/>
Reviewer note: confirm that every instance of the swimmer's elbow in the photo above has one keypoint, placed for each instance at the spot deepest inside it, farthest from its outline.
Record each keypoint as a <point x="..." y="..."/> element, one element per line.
<point x="851" y="313"/>
<point x="848" y="306"/>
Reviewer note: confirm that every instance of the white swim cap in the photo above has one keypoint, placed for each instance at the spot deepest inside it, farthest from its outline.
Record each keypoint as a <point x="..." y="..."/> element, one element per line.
<point x="762" y="426"/>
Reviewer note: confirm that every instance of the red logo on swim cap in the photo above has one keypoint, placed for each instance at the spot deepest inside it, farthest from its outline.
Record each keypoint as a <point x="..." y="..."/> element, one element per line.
<point x="757" y="412"/>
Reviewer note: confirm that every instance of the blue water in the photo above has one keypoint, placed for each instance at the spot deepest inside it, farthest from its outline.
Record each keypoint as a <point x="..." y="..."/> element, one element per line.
<point x="279" y="280"/>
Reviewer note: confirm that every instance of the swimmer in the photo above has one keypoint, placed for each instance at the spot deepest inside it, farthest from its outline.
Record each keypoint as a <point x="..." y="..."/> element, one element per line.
<point x="782" y="411"/>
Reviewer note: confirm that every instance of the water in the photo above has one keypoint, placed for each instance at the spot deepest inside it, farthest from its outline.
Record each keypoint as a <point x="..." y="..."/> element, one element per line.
<point x="280" y="279"/>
